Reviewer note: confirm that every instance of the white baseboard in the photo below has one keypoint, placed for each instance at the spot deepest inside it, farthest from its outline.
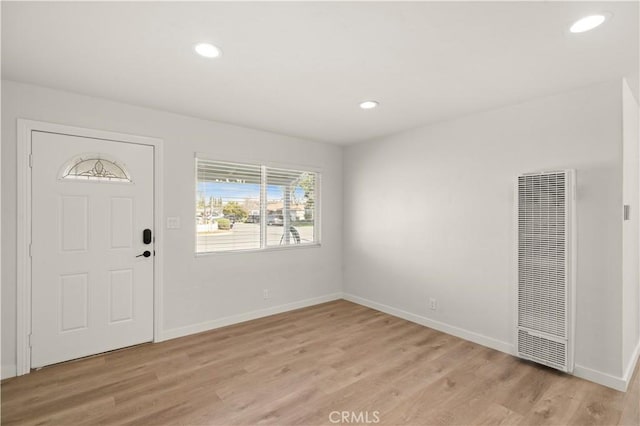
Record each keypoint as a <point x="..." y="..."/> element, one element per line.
<point x="631" y="366"/>
<point x="617" y="383"/>
<point x="604" y="379"/>
<point x="8" y="370"/>
<point x="436" y="325"/>
<point x="235" y="319"/>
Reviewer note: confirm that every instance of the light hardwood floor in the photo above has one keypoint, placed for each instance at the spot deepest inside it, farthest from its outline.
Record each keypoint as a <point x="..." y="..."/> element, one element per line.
<point x="298" y="367"/>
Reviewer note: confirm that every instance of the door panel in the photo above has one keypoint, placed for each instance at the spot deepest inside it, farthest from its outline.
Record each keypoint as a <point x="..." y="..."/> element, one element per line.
<point x="73" y="302"/>
<point x="91" y="201"/>
<point x="73" y="223"/>
<point x="121" y="224"/>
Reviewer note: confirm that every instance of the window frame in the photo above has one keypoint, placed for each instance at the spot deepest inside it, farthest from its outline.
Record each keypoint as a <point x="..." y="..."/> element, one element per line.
<point x="264" y="166"/>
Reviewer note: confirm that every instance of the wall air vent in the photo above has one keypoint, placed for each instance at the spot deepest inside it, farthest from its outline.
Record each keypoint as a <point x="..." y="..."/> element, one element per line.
<point x="546" y="268"/>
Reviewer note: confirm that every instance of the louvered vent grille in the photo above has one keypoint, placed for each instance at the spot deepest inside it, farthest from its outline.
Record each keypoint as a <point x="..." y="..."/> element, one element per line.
<point x="543" y="267"/>
<point x="541" y="254"/>
<point x="543" y="350"/>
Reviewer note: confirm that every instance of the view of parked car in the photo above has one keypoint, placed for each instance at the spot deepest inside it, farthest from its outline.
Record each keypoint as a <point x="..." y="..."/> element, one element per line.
<point x="253" y="218"/>
<point x="275" y="220"/>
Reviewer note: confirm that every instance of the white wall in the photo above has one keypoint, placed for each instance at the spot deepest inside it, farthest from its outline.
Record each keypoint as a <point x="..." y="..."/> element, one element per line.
<point x="430" y="213"/>
<point x="631" y="233"/>
<point x="198" y="290"/>
<point x="427" y="213"/>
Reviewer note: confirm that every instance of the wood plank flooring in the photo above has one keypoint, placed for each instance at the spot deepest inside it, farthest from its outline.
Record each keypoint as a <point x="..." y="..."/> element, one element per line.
<point x="299" y="367"/>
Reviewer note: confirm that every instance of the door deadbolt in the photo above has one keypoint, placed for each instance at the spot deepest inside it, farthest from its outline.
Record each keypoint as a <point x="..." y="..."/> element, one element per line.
<point x="146" y="236"/>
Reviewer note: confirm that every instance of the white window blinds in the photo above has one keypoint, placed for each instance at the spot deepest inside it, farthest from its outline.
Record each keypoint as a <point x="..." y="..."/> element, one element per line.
<point x="291" y="205"/>
<point x="249" y="207"/>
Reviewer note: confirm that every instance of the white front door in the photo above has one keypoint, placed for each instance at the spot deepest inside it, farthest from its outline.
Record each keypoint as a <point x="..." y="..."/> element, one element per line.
<point x="91" y="201"/>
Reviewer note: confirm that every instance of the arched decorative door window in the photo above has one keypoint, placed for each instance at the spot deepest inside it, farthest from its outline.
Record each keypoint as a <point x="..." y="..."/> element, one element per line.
<point x="95" y="167"/>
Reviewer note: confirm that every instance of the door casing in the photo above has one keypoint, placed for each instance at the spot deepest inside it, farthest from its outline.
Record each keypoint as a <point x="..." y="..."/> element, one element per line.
<point x="23" y="293"/>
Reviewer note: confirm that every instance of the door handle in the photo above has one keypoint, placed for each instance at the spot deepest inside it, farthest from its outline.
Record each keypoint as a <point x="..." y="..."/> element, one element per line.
<point x="146" y="236"/>
<point x="146" y="253"/>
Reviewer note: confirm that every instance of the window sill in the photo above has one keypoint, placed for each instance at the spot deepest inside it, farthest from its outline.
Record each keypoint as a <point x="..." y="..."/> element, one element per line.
<point x="260" y="250"/>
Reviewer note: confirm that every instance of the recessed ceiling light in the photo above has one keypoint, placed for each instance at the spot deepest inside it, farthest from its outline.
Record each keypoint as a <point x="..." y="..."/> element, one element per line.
<point x="368" y="104"/>
<point x="587" y="23"/>
<point x="207" y="50"/>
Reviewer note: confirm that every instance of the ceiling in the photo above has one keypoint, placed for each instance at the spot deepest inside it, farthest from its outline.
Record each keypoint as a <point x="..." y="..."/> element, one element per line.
<point x="301" y="68"/>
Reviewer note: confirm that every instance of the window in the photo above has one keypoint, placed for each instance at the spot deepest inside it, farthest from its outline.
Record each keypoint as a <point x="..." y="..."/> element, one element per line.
<point x="95" y="167"/>
<point x="249" y="207"/>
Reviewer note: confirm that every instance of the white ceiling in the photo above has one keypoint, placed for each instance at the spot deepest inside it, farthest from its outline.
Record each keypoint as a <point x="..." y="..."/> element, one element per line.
<point x="302" y="68"/>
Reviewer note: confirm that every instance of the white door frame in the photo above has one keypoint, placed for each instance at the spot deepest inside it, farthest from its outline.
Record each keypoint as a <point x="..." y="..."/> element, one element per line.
<point x="23" y="284"/>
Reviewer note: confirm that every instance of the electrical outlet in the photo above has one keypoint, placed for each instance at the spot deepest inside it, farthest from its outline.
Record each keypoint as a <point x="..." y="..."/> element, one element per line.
<point x="265" y="293"/>
<point x="433" y="304"/>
